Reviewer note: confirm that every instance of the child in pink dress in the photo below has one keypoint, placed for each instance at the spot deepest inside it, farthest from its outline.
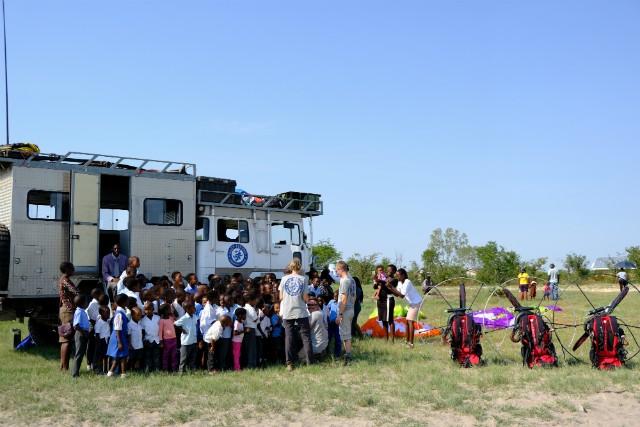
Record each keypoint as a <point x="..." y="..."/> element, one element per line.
<point x="238" y="336"/>
<point x="168" y="341"/>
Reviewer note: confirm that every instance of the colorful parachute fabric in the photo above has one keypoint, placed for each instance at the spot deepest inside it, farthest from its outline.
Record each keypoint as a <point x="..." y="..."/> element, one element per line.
<point x="373" y="328"/>
<point x="500" y="317"/>
<point x="398" y="311"/>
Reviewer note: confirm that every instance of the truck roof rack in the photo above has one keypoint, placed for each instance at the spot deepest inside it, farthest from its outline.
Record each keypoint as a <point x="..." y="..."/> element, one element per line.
<point x="298" y="203"/>
<point x="85" y="161"/>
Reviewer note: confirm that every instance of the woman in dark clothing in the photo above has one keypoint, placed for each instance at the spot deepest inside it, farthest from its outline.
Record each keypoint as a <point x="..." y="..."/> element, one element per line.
<point x="355" y="328"/>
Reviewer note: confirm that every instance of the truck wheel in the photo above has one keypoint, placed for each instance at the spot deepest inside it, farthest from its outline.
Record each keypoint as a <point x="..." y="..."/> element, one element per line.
<point x="42" y="331"/>
<point x="5" y="254"/>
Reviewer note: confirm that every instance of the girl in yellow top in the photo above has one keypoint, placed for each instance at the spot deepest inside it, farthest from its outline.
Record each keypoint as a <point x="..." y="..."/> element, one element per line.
<point x="523" y="280"/>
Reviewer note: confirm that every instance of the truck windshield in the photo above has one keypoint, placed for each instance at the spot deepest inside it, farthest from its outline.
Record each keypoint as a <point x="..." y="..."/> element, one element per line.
<point x="281" y="235"/>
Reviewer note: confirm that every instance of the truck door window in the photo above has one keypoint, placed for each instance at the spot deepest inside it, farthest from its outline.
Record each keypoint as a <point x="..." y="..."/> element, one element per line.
<point x="114" y="219"/>
<point x="233" y="230"/>
<point x="282" y="236"/>
<point x="48" y="205"/>
<point x="202" y="229"/>
<point x="162" y="212"/>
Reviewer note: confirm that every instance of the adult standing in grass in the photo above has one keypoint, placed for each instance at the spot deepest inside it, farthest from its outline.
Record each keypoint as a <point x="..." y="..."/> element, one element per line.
<point x="622" y="278"/>
<point x="346" y="307"/>
<point x="68" y="292"/>
<point x="553" y="278"/>
<point x="294" y="293"/>
<point x="407" y="291"/>
<point x="523" y="282"/>
<point x="355" y="328"/>
<point x="386" y="301"/>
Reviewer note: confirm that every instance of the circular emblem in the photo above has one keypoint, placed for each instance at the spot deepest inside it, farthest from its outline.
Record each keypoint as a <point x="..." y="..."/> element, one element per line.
<point x="294" y="286"/>
<point x="237" y="255"/>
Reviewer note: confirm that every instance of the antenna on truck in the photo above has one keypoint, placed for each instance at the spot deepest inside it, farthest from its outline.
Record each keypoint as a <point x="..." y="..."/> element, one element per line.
<point x="6" y="85"/>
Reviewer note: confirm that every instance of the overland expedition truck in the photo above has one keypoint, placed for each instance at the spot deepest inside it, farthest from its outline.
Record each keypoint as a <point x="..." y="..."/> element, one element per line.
<point x="76" y="206"/>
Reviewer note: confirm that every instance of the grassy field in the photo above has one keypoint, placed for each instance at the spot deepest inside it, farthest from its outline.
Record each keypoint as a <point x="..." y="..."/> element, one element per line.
<point x="386" y="385"/>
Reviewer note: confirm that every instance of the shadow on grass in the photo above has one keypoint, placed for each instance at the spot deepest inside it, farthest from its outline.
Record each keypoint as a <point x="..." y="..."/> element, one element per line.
<point x="45" y="352"/>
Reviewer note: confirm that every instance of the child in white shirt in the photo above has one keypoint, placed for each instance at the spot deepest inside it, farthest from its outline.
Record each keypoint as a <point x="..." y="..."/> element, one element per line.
<point x="135" y="339"/>
<point x="151" y="327"/>
<point x="214" y="333"/>
<point x="102" y="332"/>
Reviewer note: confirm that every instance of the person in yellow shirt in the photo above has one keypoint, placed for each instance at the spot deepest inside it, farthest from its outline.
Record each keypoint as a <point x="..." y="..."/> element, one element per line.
<point x="523" y="281"/>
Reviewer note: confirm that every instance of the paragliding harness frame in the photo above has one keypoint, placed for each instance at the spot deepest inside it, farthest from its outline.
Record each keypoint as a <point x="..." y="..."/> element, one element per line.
<point x="464" y="334"/>
<point x="534" y="334"/>
<point x="607" y="337"/>
<point x="607" y="342"/>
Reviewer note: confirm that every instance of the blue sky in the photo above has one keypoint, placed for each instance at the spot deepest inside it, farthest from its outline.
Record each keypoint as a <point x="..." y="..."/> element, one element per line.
<point x="515" y="122"/>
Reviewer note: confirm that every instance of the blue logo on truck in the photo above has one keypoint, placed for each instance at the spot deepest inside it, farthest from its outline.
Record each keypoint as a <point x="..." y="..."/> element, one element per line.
<point x="237" y="255"/>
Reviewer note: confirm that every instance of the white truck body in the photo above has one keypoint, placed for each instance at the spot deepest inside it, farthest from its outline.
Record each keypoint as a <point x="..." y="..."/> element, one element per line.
<point x="75" y="207"/>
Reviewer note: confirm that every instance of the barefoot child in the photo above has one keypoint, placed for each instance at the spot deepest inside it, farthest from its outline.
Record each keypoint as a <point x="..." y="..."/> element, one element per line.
<point x="547" y="291"/>
<point x="532" y="289"/>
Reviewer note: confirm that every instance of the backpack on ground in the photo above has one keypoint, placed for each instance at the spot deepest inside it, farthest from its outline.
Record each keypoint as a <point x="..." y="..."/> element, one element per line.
<point x="535" y="336"/>
<point x="464" y="334"/>
<point x="607" y="337"/>
<point x="607" y="342"/>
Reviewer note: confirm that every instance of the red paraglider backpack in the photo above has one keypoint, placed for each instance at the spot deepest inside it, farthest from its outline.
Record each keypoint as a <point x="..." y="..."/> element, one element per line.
<point x="607" y="343"/>
<point x="464" y="334"/>
<point x="465" y="340"/>
<point x="537" y="348"/>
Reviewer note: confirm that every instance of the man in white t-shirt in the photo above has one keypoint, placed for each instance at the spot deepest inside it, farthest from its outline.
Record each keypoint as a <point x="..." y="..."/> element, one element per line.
<point x="622" y="278"/>
<point x="553" y="278"/>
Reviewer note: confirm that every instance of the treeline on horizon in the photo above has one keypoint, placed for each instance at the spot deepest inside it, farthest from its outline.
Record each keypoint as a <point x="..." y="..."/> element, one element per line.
<point x="449" y="255"/>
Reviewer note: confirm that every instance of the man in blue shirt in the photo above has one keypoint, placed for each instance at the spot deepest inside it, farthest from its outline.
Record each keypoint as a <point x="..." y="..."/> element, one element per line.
<point x="113" y="265"/>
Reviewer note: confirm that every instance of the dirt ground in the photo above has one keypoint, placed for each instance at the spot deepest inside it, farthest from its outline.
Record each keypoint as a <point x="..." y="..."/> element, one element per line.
<point x="607" y="408"/>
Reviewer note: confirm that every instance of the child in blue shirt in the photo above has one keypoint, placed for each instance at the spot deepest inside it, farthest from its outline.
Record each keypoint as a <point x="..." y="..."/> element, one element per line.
<point x="277" y="340"/>
<point x="82" y="326"/>
<point x="332" y="326"/>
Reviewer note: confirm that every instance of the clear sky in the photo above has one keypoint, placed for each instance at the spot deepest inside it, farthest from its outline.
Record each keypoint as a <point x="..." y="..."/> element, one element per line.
<point x="516" y="122"/>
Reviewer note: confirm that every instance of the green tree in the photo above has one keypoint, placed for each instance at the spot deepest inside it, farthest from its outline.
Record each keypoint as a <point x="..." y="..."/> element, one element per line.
<point x="326" y="252"/>
<point x="576" y="265"/>
<point x="361" y="266"/>
<point x="534" y="267"/>
<point x="497" y="265"/>
<point x="633" y="254"/>
<point x="448" y="255"/>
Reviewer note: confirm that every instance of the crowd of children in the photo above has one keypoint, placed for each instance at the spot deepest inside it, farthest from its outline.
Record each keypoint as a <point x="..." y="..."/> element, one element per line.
<point x="175" y="324"/>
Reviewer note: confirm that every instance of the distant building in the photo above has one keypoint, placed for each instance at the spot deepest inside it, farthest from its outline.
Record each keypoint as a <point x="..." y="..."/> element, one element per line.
<point x="603" y="264"/>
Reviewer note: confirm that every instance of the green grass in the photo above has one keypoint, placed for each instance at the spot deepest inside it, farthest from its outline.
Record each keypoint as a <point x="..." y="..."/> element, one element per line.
<point x="386" y="385"/>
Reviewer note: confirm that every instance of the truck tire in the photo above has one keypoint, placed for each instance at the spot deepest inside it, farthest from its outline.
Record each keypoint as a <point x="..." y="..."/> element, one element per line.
<point x="43" y="330"/>
<point x="5" y="254"/>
